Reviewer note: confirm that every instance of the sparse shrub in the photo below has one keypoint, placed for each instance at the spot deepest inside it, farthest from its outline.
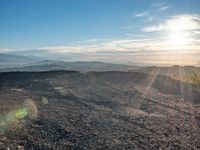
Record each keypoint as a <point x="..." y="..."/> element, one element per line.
<point x="195" y="77"/>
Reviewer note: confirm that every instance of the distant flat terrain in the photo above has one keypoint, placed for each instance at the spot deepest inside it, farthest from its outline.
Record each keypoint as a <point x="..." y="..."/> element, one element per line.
<point x="98" y="110"/>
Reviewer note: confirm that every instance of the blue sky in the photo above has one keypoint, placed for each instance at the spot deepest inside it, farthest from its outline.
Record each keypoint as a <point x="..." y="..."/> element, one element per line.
<point x="96" y="26"/>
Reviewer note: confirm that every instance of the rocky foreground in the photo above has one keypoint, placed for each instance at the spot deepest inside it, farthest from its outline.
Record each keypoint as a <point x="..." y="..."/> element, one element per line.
<point x="107" y="110"/>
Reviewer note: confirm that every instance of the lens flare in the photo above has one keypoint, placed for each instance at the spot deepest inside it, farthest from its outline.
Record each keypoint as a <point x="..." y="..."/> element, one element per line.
<point x="27" y="110"/>
<point x="21" y="113"/>
<point x="31" y="107"/>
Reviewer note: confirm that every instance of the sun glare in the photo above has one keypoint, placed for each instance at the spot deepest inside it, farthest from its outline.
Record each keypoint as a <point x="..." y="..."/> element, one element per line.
<point x="178" y="40"/>
<point x="179" y="35"/>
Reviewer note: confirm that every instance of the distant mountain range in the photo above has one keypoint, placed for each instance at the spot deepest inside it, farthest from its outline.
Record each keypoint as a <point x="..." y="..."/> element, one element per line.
<point x="12" y="60"/>
<point x="5" y="58"/>
<point x="46" y="65"/>
<point x="31" y="63"/>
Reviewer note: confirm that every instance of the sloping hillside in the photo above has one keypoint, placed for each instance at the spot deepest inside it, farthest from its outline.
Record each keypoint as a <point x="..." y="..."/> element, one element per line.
<point x="107" y="110"/>
<point x="177" y="72"/>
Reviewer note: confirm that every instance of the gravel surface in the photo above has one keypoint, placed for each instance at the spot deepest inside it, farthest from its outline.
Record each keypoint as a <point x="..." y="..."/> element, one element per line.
<point x="97" y="110"/>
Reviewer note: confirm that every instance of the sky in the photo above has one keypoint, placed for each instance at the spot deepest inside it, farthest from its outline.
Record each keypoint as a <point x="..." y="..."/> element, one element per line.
<point x="120" y="31"/>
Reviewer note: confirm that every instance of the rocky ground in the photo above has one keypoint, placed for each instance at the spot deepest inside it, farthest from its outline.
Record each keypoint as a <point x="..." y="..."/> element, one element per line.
<point x="105" y="110"/>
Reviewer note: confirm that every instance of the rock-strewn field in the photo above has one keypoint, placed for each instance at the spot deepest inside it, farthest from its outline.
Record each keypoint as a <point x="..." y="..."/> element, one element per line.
<point x="97" y="110"/>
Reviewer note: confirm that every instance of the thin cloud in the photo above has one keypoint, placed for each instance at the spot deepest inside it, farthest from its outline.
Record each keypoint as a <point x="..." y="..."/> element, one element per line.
<point x="4" y="50"/>
<point x="92" y="40"/>
<point x="141" y="14"/>
<point x="196" y="32"/>
<point x="127" y="45"/>
<point x="177" y="23"/>
<point x="163" y="8"/>
<point x="135" y="35"/>
<point x="128" y="27"/>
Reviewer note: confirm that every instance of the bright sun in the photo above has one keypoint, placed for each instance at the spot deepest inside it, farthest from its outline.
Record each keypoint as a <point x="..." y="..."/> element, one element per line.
<point x="178" y="40"/>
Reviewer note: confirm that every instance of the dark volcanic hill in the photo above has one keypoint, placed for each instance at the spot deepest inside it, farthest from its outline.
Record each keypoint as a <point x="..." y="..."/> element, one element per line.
<point x="97" y="110"/>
